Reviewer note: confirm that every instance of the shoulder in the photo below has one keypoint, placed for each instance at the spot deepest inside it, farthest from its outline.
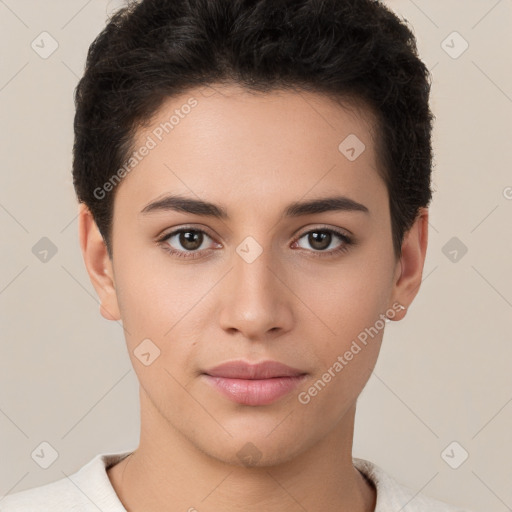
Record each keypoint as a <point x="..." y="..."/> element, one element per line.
<point x="392" y="495"/>
<point x="87" y="490"/>
<point x="57" y="496"/>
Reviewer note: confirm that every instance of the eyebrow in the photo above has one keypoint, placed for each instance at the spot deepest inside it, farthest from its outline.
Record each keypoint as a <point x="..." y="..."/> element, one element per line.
<point x="296" y="209"/>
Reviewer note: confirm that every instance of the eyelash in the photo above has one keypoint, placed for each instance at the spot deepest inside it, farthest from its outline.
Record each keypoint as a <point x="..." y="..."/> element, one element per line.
<point x="347" y="242"/>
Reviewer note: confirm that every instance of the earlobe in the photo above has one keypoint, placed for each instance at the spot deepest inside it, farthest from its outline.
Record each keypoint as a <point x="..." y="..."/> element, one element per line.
<point x="414" y="249"/>
<point x="98" y="263"/>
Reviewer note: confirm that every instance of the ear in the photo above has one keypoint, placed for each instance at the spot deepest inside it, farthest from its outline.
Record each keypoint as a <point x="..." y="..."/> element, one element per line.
<point x="410" y="267"/>
<point x="98" y="263"/>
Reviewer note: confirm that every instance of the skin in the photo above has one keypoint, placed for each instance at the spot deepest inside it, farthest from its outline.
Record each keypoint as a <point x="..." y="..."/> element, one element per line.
<point x="253" y="154"/>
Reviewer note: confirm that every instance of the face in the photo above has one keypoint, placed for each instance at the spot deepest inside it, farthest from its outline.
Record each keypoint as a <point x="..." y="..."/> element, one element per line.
<point x="307" y="288"/>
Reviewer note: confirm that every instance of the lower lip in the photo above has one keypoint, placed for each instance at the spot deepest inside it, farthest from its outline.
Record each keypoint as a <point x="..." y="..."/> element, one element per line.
<point x="255" y="391"/>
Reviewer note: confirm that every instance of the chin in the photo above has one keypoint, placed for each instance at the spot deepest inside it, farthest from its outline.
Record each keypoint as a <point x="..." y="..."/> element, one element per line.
<point x="253" y="451"/>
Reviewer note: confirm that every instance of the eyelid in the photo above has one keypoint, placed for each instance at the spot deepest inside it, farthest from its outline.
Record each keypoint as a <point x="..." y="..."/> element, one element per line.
<point x="340" y="231"/>
<point x="298" y="234"/>
<point x="346" y="239"/>
<point x="182" y="227"/>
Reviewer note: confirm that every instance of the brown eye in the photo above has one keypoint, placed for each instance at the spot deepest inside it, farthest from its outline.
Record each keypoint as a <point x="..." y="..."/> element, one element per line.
<point x="185" y="242"/>
<point x="319" y="240"/>
<point x="190" y="240"/>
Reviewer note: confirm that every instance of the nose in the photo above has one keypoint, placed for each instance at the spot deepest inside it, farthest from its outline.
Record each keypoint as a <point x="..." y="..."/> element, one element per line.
<point x="256" y="299"/>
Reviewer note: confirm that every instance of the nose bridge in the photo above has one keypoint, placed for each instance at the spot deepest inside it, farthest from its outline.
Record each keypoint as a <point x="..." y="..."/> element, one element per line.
<point x="256" y="300"/>
<point x="252" y="267"/>
<point x="252" y="274"/>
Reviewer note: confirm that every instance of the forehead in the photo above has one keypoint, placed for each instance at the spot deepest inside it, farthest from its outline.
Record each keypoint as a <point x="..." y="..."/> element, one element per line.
<point x="225" y="143"/>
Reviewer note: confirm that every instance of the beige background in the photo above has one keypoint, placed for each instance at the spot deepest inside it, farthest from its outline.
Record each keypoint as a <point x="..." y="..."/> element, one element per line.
<point x="444" y="371"/>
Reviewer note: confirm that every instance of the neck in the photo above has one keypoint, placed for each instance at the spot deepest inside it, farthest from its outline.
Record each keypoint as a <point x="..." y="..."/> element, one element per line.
<point x="168" y="473"/>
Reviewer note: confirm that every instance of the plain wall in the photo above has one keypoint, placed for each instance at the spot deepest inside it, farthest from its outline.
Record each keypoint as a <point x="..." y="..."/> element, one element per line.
<point x="444" y="371"/>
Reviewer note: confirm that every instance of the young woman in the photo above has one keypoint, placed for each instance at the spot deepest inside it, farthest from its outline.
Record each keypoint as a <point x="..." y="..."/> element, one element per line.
<point x="254" y="183"/>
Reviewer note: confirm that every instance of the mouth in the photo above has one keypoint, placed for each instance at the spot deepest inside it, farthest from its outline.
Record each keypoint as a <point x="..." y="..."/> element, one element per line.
<point x="254" y="384"/>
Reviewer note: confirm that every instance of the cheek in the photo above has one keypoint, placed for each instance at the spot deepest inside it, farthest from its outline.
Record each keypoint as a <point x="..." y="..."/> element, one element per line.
<point x="153" y="293"/>
<point x="146" y="304"/>
<point x="347" y="304"/>
<point x="346" y="352"/>
<point x="345" y="299"/>
<point x="166" y="305"/>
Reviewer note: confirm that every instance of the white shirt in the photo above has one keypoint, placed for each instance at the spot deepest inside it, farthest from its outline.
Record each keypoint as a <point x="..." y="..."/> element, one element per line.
<point x="90" y="490"/>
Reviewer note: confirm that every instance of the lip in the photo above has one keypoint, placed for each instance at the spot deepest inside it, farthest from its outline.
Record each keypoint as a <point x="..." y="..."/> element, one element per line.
<point x="263" y="370"/>
<point x="254" y="384"/>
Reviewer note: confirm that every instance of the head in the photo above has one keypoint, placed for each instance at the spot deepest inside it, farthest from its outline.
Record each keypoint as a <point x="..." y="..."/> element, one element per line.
<point x="253" y="107"/>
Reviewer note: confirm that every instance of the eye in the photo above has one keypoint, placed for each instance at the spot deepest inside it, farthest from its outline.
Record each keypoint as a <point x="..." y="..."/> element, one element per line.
<point x="184" y="242"/>
<point x="187" y="242"/>
<point x="321" y="238"/>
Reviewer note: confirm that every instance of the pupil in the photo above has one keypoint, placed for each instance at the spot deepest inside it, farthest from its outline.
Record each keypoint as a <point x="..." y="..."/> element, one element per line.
<point x="189" y="239"/>
<point x="190" y="242"/>
<point x="323" y="236"/>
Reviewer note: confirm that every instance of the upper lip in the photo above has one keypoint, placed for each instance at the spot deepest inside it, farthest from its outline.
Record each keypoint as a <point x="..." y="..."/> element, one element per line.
<point x="262" y="370"/>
